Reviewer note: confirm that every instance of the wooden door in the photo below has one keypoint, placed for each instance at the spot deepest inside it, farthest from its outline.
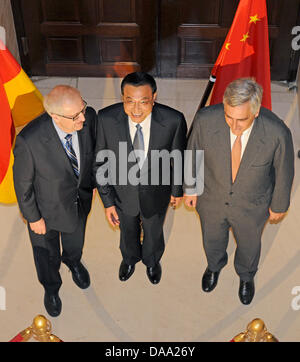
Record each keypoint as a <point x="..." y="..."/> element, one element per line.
<point x="88" y="37"/>
<point x="193" y="31"/>
<point x="168" y="38"/>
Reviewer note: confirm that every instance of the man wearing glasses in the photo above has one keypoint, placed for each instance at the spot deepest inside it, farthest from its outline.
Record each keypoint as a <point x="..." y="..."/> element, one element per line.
<point x="145" y="128"/>
<point x="54" y="186"/>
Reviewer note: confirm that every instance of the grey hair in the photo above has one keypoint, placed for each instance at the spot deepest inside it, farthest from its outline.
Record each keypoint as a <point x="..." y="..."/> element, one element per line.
<point x="244" y="90"/>
<point x="60" y="96"/>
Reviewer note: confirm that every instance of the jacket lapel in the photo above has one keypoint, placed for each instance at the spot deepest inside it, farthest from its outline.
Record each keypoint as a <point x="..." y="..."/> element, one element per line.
<point x="81" y="140"/>
<point x="222" y="142"/>
<point x="123" y="130"/>
<point x="53" y="142"/>
<point x="157" y="122"/>
<point x="253" y="148"/>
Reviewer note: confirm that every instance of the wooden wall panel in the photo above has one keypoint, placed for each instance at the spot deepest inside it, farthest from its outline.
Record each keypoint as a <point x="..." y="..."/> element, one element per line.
<point x="61" y="48"/>
<point x="89" y="37"/>
<point x="168" y="38"/>
<point x="113" y="12"/>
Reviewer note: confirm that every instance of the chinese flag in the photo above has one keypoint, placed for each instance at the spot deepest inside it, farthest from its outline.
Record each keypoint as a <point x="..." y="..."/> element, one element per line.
<point x="20" y="102"/>
<point x="245" y="52"/>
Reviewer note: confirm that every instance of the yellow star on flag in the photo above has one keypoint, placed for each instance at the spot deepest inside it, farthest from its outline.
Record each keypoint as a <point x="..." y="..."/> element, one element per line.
<point x="227" y="45"/>
<point x="254" y="19"/>
<point x="245" y="37"/>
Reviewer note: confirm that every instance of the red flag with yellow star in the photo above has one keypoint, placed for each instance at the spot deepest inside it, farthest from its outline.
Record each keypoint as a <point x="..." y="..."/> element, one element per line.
<point x="245" y="52"/>
<point x="20" y="102"/>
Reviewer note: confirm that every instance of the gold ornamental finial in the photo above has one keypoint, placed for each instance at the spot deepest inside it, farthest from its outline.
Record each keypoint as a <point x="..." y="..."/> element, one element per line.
<point x="256" y="332"/>
<point x="40" y="330"/>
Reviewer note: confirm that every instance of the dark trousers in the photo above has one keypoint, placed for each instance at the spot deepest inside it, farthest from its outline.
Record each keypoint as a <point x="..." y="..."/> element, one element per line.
<point x="247" y="231"/>
<point x="152" y="246"/>
<point x="48" y="255"/>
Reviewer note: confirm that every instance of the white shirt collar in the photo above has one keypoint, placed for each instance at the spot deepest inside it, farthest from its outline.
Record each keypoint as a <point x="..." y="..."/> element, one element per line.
<point x="62" y="134"/>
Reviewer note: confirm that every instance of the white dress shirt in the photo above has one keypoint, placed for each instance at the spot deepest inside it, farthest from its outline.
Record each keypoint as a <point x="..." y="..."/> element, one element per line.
<point x="244" y="138"/>
<point x="75" y="143"/>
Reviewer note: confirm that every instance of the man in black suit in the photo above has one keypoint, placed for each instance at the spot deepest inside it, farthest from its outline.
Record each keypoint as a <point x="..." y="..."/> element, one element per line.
<point x="139" y="128"/>
<point x="54" y="185"/>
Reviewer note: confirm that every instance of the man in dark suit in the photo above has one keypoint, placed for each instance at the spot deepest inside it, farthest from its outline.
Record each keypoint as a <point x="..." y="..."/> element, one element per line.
<point x="248" y="175"/>
<point x="54" y="184"/>
<point x="139" y="194"/>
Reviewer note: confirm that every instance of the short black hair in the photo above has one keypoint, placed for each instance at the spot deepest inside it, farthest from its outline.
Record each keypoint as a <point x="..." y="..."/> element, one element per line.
<point x="137" y="79"/>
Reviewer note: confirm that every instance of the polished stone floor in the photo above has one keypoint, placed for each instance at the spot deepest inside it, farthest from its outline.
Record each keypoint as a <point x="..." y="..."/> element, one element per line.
<point x="176" y="309"/>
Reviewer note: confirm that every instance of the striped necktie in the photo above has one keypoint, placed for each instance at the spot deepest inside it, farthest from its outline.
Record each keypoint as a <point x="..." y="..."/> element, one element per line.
<point x="71" y="154"/>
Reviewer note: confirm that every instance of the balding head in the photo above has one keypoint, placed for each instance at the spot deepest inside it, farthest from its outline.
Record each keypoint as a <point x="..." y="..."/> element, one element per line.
<point x="66" y="107"/>
<point x="61" y="97"/>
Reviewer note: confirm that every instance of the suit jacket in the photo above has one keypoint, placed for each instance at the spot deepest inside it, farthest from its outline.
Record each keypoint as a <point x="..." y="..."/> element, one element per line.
<point x="167" y="132"/>
<point x="266" y="171"/>
<point x="45" y="183"/>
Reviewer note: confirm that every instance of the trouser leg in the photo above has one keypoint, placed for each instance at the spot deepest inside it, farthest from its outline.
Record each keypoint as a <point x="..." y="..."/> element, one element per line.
<point x="248" y="232"/>
<point x="130" y="233"/>
<point x="153" y="241"/>
<point x="72" y="243"/>
<point x="46" y="253"/>
<point x="215" y="235"/>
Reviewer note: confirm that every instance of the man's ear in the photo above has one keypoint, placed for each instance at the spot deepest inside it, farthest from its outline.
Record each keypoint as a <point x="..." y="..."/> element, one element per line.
<point x="154" y="96"/>
<point x="55" y="118"/>
<point x="257" y="113"/>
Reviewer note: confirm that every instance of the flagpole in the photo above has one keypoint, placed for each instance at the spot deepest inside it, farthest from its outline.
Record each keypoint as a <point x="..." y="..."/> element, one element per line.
<point x="209" y="87"/>
<point x="205" y="97"/>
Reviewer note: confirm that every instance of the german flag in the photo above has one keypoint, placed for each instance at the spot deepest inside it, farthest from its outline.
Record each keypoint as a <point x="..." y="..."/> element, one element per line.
<point x="20" y="102"/>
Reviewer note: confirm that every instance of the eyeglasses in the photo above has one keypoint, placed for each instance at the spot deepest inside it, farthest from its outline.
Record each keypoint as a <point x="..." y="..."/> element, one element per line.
<point x="145" y="103"/>
<point x="75" y="118"/>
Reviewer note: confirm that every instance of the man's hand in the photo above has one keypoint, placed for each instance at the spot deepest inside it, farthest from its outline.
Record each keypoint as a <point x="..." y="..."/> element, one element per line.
<point x="112" y="216"/>
<point x="38" y="227"/>
<point x="275" y="217"/>
<point x="190" y="200"/>
<point x="175" y="201"/>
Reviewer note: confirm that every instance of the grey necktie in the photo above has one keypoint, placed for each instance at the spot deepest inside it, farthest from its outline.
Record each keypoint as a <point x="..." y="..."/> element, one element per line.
<point x="138" y="142"/>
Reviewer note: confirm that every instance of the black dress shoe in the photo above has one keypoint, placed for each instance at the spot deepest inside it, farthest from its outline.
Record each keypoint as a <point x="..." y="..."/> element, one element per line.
<point x="154" y="273"/>
<point x="80" y="275"/>
<point x="246" y="291"/>
<point x="209" y="280"/>
<point x="52" y="304"/>
<point x="125" y="271"/>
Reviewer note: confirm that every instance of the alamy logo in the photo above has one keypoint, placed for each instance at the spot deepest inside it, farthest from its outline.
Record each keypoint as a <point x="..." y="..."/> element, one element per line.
<point x="296" y="301"/>
<point x="2" y="298"/>
<point x="187" y="168"/>
<point x="2" y="38"/>
<point x="296" y="40"/>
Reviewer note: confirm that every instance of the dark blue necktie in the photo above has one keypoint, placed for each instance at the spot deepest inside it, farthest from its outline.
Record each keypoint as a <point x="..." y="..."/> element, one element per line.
<point x="71" y="154"/>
